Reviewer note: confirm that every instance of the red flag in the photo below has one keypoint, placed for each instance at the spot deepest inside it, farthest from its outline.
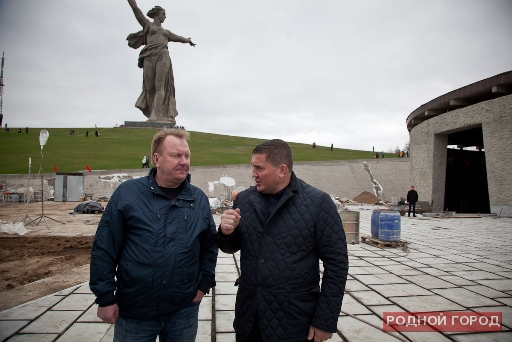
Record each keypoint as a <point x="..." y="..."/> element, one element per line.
<point x="55" y="169"/>
<point x="88" y="168"/>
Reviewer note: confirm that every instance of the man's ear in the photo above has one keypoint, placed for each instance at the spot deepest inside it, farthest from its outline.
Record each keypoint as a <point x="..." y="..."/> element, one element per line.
<point x="283" y="169"/>
<point x="155" y="159"/>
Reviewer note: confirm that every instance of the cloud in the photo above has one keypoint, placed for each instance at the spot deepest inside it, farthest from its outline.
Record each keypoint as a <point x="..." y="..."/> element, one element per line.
<point x="347" y="73"/>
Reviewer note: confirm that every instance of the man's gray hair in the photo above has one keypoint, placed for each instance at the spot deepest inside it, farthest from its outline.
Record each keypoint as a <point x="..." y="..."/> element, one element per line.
<point x="160" y="136"/>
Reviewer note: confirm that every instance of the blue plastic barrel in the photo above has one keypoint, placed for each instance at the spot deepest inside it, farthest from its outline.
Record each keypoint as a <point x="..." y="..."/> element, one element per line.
<point x="389" y="226"/>
<point x="375" y="223"/>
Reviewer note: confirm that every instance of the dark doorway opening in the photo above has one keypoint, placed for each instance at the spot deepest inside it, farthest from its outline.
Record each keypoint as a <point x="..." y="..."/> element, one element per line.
<point x="466" y="189"/>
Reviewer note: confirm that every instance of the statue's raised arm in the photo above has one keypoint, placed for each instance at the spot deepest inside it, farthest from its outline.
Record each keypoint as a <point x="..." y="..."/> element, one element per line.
<point x="138" y="13"/>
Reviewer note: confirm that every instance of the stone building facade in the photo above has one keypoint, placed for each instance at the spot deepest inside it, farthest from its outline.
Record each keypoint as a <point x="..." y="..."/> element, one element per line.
<point x="477" y="119"/>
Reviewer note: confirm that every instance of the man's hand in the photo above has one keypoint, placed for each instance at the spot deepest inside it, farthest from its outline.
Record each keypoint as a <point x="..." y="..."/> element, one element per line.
<point x="229" y="221"/>
<point x="109" y="313"/>
<point x="199" y="296"/>
<point x="318" y="335"/>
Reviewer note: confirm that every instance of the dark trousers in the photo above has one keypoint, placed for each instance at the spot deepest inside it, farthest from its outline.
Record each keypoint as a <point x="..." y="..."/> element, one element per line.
<point x="413" y="205"/>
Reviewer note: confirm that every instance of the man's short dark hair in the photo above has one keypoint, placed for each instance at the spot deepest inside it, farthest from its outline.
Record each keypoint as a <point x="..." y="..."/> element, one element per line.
<point x="276" y="152"/>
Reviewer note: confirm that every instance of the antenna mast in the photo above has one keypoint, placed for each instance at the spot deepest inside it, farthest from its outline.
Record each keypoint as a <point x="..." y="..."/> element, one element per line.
<point x="2" y="85"/>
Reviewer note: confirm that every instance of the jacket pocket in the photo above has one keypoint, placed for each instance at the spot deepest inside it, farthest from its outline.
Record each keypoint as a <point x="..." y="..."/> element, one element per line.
<point x="134" y="285"/>
<point x="301" y="308"/>
<point x="134" y="272"/>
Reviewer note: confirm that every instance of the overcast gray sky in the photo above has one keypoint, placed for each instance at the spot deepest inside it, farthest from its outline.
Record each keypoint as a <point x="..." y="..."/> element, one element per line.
<point x="341" y="72"/>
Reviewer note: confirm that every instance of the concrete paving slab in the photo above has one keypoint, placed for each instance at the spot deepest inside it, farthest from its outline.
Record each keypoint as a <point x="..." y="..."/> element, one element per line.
<point x="224" y="321"/>
<point x="392" y="279"/>
<point x="457" y="280"/>
<point x="226" y="277"/>
<point x="454" y="266"/>
<point x="352" y="306"/>
<point x="223" y="268"/>
<point x="90" y="316"/>
<point x="476" y="275"/>
<point x="79" y="301"/>
<point x="204" y="331"/>
<point x="67" y="291"/>
<point x="432" y="261"/>
<point x="86" y="332"/>
<point x="426" y="337"/>
<point x="7" y="328"/>
<point x="205" y="309"/>
<point x="222" y="260"/>
<point x="33" y="338"/>
<point x="109" y="336"/>
<point x="27" y="312"/>
<point x="412" y="263"/>
<point x="486" y="291"/>
<point x="459" y="258"/>
<point x="225" y="287"/>
<point x="370" y="298"/>
<point x="400" y="290"/>
<point x="489" y="337"/>
<point x="484" y="266"/>
<point x="355" y="285"/>
<point x="426" y="303"/>
<point x="352" y="262"/>
<point x="465" y="297"/>
<point x="225" y="302"/>
<point x="506" y="312"/>
<point x="225" y="337"/>
<point x="52" y="322"/>
<point x="358" y="270"/>
<point x="356" y="330"/>
<point x="429" y="282"/>
<point x="506" y="301"/>
<point x="401" y="270"/>
<point x="381" y="261"/>
<point x="433" y="271"/>
<point x="369" y="279"/>
<point x="83" y="289"/>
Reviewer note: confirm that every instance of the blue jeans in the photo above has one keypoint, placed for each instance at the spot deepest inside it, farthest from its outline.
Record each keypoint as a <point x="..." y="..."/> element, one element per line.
<point x="180" y="327"/>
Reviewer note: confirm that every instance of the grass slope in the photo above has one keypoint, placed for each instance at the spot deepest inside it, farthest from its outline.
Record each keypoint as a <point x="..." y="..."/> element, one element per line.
<point x="118" y="148"/>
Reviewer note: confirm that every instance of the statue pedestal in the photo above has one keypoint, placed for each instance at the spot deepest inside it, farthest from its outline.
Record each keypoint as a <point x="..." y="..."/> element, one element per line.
<point x="148" y="124"/>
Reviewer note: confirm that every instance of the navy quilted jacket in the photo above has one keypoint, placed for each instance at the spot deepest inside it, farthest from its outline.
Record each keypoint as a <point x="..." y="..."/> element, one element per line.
<point x="279" y="259"/>
<point x="152" y="252"/>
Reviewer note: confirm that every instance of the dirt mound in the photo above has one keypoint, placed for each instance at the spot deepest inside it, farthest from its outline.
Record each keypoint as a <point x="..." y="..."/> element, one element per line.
<point x="366" y="197"/>
<point x="25" y="259"/>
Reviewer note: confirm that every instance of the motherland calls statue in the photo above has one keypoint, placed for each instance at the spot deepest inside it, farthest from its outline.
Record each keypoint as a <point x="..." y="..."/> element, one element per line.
<point x="157" y="100"/>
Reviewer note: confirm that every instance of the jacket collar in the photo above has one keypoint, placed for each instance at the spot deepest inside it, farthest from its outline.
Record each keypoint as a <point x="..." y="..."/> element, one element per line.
<point x="184" y="194"/>
<point x="260" y="204"/>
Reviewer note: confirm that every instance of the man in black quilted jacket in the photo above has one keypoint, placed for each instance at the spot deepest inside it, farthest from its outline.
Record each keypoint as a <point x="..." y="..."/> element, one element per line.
<point x="283" y="227"/>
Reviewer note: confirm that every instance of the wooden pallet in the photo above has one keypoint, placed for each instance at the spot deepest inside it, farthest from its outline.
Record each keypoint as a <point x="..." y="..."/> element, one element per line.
<point x="381" y="243"/>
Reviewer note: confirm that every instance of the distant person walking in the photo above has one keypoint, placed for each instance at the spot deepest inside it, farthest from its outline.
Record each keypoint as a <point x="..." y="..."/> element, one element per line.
<point x="145" y="162"/>
<point x="382" y="154"/>
<point x="412" y="198"/>
<point x="332" y="146"/>
<point x="96" y="133"/>
<point x="87" y="133"/>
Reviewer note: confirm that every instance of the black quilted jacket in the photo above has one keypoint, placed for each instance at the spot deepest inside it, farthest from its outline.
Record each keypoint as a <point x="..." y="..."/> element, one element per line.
<point x="280" y="277"/>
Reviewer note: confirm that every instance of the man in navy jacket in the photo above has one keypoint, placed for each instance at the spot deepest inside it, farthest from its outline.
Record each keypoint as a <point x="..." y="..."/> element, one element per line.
<point x="283" y="227"/>
<point x="153" y="257"/>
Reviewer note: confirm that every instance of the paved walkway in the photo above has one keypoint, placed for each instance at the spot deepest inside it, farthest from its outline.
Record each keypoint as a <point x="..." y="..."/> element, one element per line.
<point x="453" y="264"/>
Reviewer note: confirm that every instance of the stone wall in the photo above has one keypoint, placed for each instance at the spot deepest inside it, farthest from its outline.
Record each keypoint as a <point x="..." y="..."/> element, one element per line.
<point x="428" y="142"/>
<point x="337" y="178"/>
